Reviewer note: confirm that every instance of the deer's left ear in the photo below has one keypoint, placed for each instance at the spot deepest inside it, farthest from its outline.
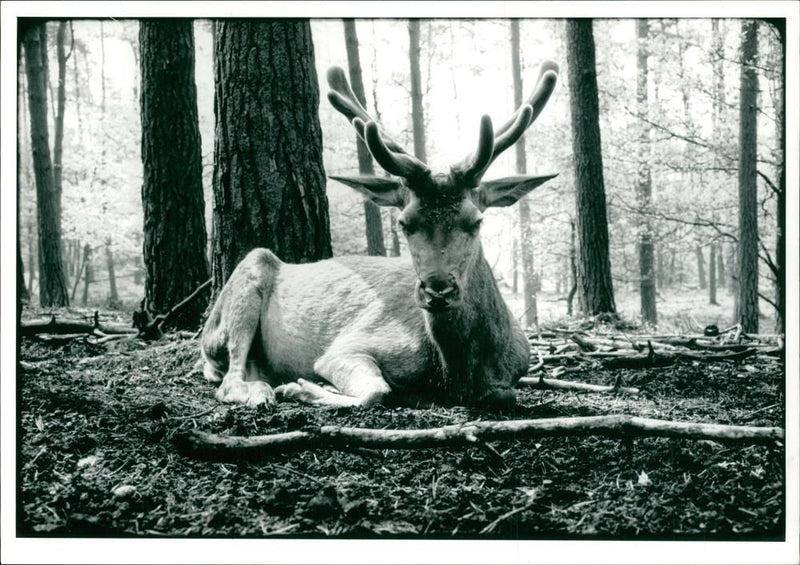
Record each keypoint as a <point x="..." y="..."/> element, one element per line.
<point x="382" y="191"/>
<point x="506" y="191"/>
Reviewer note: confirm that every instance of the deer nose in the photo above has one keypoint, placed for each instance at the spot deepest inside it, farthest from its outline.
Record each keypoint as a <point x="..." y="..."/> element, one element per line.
<point x="438" y="292"/>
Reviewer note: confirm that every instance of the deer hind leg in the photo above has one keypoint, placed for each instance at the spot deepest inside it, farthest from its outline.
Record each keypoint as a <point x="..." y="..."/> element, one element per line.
<point x="356" y="377"/>
<point x="232" y="331"/>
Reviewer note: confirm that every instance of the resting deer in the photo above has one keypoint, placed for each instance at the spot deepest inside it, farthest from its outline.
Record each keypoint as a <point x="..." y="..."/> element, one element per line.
<point x="356" y="330"/>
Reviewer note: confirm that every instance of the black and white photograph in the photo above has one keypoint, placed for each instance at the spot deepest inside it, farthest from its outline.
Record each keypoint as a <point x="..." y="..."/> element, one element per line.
<point x="311" y="282"/>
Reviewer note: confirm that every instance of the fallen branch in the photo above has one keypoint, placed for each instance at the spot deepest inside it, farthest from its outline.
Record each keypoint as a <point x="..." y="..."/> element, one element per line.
<point x="52" y="326"/>
<point x="150" y="328"/>
<point x="218" y="447"/>
<point x="556" y="384"/>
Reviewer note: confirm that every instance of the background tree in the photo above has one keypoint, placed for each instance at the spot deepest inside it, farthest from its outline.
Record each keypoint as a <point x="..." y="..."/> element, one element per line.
<point x="595" y="290"/>
<point x="747" y="313"/>
<point x="172" y="191"/>
<point x="644" y="189"/>
<point x="52" y="283"/>
<point x="269" y="181"/>
<point x="372" y="214"/>
<point x="417" y="111"/>
<point x="525" y="242"/>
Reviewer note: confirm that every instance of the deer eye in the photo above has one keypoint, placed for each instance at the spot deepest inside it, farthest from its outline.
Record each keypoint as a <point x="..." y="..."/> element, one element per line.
<point x="474" y="225"/>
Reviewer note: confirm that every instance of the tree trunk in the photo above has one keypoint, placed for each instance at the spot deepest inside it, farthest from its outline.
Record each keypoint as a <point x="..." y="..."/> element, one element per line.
<point x="780" y="232"/>
<point x="372" y="214"/>
<point x="712" y="274"/>
<point x="701" y="267"/>
<point x="526" y="238"/>
<point x="573" y="267"/>
<point x="113" y="295"/>
<point x="88" y="274"/>
<point x="595" y="289"/>
<point x="58" y="133"/>
<point x="644" y="192"/>
<point x="52" y="282"/>
<point x="721" y="277"/>
<point x="269" y="181"/>
<point x="32" y="258"/>
<point x="22" y="291"/>
<point x="417" y="113"/>
<point x="515" y="265"/>
<point x="172" y="191"/>
<point x="748" y="197"/>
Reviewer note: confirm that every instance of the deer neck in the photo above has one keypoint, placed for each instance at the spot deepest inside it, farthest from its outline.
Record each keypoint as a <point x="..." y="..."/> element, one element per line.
<point x="471" y="337"/>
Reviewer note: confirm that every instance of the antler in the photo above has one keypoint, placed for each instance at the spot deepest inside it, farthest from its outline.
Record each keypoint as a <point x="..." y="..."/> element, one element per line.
<point x="388" y="153"/>
<point x="490" y="144"/>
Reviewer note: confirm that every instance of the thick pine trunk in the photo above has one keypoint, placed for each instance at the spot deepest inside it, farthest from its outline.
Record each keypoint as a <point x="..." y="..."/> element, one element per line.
<point x="523" y="207"/>
<point x="172" y="192"/>
<point x="595" y="289"/>
<point x="417" y="112"/>
<point x="269" y="181"/>
<point x="748" y="197"/>
<point x="372" y="214"/>
<point x="52" y="281"/>
<point x="644" y="192"/>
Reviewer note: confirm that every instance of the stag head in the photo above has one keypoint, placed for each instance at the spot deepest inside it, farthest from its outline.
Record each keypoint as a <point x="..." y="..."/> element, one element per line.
<point x="442" y="212"/>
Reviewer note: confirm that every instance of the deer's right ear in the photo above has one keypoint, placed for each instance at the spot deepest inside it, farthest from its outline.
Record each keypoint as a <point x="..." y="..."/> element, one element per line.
<point x="380" y="190"/>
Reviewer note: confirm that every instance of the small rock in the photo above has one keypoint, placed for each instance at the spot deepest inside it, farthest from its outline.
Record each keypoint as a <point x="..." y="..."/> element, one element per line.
<point x="124" y="491"/>
<point x="87" y="461"/>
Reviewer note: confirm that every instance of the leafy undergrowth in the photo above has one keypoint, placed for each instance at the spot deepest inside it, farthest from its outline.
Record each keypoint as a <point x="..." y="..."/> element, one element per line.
<point x="96" y="459"/>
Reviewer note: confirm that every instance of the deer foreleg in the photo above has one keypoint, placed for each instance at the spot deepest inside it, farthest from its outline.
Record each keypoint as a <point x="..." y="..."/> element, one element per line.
<point x="357" y="378"/>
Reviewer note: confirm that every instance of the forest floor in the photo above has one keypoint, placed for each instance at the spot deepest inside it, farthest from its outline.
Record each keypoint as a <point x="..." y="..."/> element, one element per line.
<point x="96" y="458"/>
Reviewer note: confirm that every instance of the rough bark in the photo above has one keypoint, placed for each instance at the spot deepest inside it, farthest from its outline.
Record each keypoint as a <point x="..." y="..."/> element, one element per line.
<point x="417" y="112"/>
<point x="52" y="281"/>
<point x="372" y="214"/>
<point x="58" y="129"/>
<point x="748" y="197"/>
<point x="780" y="235"/>
<point x="573" y="267"/>
<point x="269" y="181"/>
<point x="595" y="289"/>
<point x="523" y="206"/>
<point x="644" y="192"/>
<point x="172" y="191"/>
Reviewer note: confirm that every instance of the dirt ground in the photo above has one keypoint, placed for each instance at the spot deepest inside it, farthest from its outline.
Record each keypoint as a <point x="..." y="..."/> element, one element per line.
<point x="96" y="458"/>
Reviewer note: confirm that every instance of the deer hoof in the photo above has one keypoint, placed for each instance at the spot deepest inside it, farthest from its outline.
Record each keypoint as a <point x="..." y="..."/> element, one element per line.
<point x="250" y="393"/>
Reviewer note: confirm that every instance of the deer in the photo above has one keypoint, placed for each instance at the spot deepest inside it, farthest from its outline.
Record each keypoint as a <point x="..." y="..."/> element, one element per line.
<point x="362" y="330"/>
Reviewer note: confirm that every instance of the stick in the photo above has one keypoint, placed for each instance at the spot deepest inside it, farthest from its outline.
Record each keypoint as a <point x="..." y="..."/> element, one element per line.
<point x="152" y="330"/>
<point x="555" y="384"/>
<point x="69" y="327"/>
<point x="218" y="447"/>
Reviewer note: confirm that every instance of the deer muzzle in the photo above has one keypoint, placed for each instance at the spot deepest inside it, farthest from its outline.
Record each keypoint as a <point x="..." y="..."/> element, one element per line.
<point x="438" y="292"/>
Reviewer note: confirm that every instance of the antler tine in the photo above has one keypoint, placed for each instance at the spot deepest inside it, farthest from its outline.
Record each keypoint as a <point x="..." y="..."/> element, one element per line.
<point x="342" y="97"/>
<point x="473" y="167"/>
<point x="545" y="84"/>
<point x="399" y="164"/>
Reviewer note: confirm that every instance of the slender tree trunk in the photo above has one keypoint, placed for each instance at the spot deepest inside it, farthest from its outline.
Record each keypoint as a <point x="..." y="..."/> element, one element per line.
<point x="644" y="192"/>
<point x="573" y="267"/>
<point x="61" y="97"/>
<point x="748" y="197"/>
<point x="372" y="214"/>
<point x="269" y="181"/>
<point x="724" y="281"/>
<point x="780" y="232"/>
<point x="22" y="290"/>
<point x="88" y="274"/>
<point x="32" y="258"/>
<point x="712" y="274"/>
<point x="172" y="192"/>
<point x="523" y="207"/>
<point x="417" y="112"/>
<point x="113" y="295"/>
<point x="515" y="265"/>
<point x="52" y="281"/>
<point x="595" y="289"/>
<point x="701" y="267"/>
<point x="395" y="249"/>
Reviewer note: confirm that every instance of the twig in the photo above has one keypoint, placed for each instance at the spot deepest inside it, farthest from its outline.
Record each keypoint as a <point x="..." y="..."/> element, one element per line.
<point x="490" y="528"/>
<point x="217" y="447"/>
<point x="555" y="384"/>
